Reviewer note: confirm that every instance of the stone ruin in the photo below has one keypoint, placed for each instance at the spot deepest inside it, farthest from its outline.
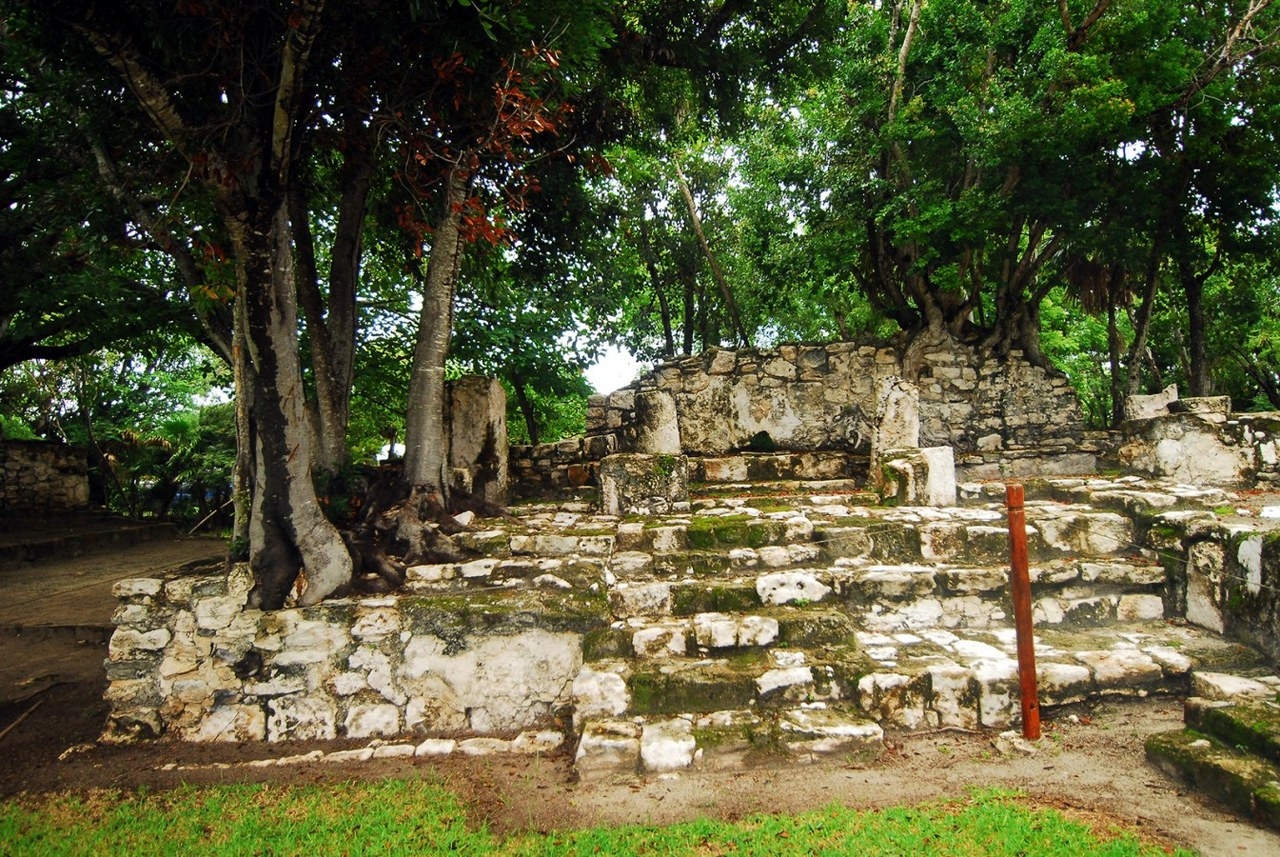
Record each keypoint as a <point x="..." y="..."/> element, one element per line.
<point x="738" y="595"/>
<point x="39" y="476"/>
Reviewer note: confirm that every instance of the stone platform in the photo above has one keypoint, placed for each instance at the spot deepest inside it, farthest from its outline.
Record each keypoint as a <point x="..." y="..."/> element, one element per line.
<point x="760" y="623"/>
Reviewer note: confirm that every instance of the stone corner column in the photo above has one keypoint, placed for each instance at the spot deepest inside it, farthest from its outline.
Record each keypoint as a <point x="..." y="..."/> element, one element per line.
<point x="657" y="423"/>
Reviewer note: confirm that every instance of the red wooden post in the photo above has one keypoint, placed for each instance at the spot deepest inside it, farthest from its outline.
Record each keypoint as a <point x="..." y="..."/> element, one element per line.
<point x="1020" y="583"/>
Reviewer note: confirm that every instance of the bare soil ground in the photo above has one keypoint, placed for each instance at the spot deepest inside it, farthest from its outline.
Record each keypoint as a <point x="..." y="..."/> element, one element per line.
<point x="1090" y="763"/>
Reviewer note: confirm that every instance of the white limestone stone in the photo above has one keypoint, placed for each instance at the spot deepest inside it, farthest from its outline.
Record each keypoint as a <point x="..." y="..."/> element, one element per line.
<point x="953" y="695"/>
<point x="783" y="679"/>
<point x="1205" y="564"/>
<point x="372" y="720"/>
<point x="506" y="681"/>
<point x="631" y="562"/>
<point x="607" y="747"/>
<point x="537" y="742"/>
<point x="126" y="641"/>
<point x="997" y="692"/>
<point x="791" y="586"/>
<point x="436" y="747"/>
<point x="715" y="630"/>
<point x="1224" y="686"/>
<point x="137" y="587"/>
<point x="1120" y="669"/>
<point x="376" y="623"/>
<point x="757" y="630"/>
<point x="640" y="599"/>
<point x="1060" y="684"/>
<point x="393" y="751"/>
<point x="483" y="746"/>
<point x="301" y="718"/>
<point x="1140" y="608"/>
<point x="230" y="723"/>
<point x="659" y="640"/>
<point x="477" y="569"/>
<point x="598" y="693"/>
<point x="667" y="745"/>
<point x="823" y="732"/>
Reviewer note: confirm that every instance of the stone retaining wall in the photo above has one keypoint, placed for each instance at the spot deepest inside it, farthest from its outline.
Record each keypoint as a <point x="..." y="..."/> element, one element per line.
<point x="1003" y="418"/>
<point x="187" y="661"/>
<point x="42" y="476"/>
<point x="1224" y="575"/>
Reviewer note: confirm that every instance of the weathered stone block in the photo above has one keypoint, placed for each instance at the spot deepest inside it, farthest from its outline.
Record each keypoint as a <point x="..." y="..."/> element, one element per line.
<point x="631" y="483"/>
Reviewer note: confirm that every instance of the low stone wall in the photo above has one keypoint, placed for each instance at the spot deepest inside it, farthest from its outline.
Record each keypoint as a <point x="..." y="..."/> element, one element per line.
<point x="1224" y="575"/>
<point x="1201" y="442"/>
<point x="1003" y="418"/>
<point x="42" y="476"/>
<point x="187" y="661"/>
<point x="549" y="468"/>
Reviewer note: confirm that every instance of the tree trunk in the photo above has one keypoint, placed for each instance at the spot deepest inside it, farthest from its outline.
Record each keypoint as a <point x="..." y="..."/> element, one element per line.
<point x="526" y="408"/>
<point x="1114" y="346"/>
<point x="1142" y="323"/>
<point x="426" y="445"/>
<point x="288" y="530"/>
<point x="716" y="273"/>
<point x="332" y="325"/>
<point x="646" y="253"/>
<point x="242" y="472"/>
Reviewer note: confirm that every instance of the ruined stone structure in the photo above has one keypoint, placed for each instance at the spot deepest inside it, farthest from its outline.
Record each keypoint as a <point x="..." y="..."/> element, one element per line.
<point x="1200" y="441"/>
<point x="1003" y="418"/>
<point x="187" y="660"/>
<point x="478" y="447"/>
<point x="42" y="476"/>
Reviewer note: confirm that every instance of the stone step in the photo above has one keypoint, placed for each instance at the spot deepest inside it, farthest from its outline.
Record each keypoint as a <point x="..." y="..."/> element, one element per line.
<point x="1230" y="749"/>
<point x="725" y="739"/>
<point x="772" y="467"/>
<point x="907" y="596"/>
<point x="1240" y="712"/>
<point x="934" y="678"/>
<point x="1247" y="784"/>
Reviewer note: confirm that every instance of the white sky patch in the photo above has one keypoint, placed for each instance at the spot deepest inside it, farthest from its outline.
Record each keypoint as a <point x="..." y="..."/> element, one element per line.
<point x="615" y="368"/>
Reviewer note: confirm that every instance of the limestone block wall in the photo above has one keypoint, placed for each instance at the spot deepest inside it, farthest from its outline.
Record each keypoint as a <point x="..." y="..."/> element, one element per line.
<point x="1004" y="418"/>
<point x="42" y="476"/>
<point x="188" y="661"/>
<point x="548" y="468"/>
<point x="1223" y="575"/>
<point x="1205" y="447"/>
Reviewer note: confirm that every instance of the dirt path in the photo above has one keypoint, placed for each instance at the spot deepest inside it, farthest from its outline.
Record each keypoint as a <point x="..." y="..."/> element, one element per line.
<point x="55" y="612"/>
<point x="1092" y="765"/>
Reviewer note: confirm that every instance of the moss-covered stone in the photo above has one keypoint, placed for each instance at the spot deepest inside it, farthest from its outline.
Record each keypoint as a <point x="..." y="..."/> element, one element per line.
<point x="896" y="543"/>
<point x="707" y="687"/>
<point x="1251" y="726"/>
<point x="701" y="563"/>
<point x="764" y="532"/>
<point x="1227" y="775"/>
<point x="809" y="628"/>
<point x="690" y="599"/>
<point x="604" y="643"/>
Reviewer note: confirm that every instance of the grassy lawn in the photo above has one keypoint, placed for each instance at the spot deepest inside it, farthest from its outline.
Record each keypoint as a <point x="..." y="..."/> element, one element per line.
<point x="420" y="817"/>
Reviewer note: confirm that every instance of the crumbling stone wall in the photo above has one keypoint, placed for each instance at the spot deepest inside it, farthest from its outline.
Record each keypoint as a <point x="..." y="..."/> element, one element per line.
<point x="188" y="661"/>
<point x="42" y="476"/>
<point x="1003" y="417"/>
<point x="1222" y="575"/>
<point x="1200" y="441"/>
<point x="548" y="468"/>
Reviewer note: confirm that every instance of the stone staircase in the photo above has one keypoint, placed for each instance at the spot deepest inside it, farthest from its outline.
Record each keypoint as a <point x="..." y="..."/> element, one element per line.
<point x="1230" y="749"/>
<point x="789" y="619"/>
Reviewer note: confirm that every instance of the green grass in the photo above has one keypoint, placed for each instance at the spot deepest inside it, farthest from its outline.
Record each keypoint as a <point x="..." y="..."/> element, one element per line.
<point x="422" y="817"/>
